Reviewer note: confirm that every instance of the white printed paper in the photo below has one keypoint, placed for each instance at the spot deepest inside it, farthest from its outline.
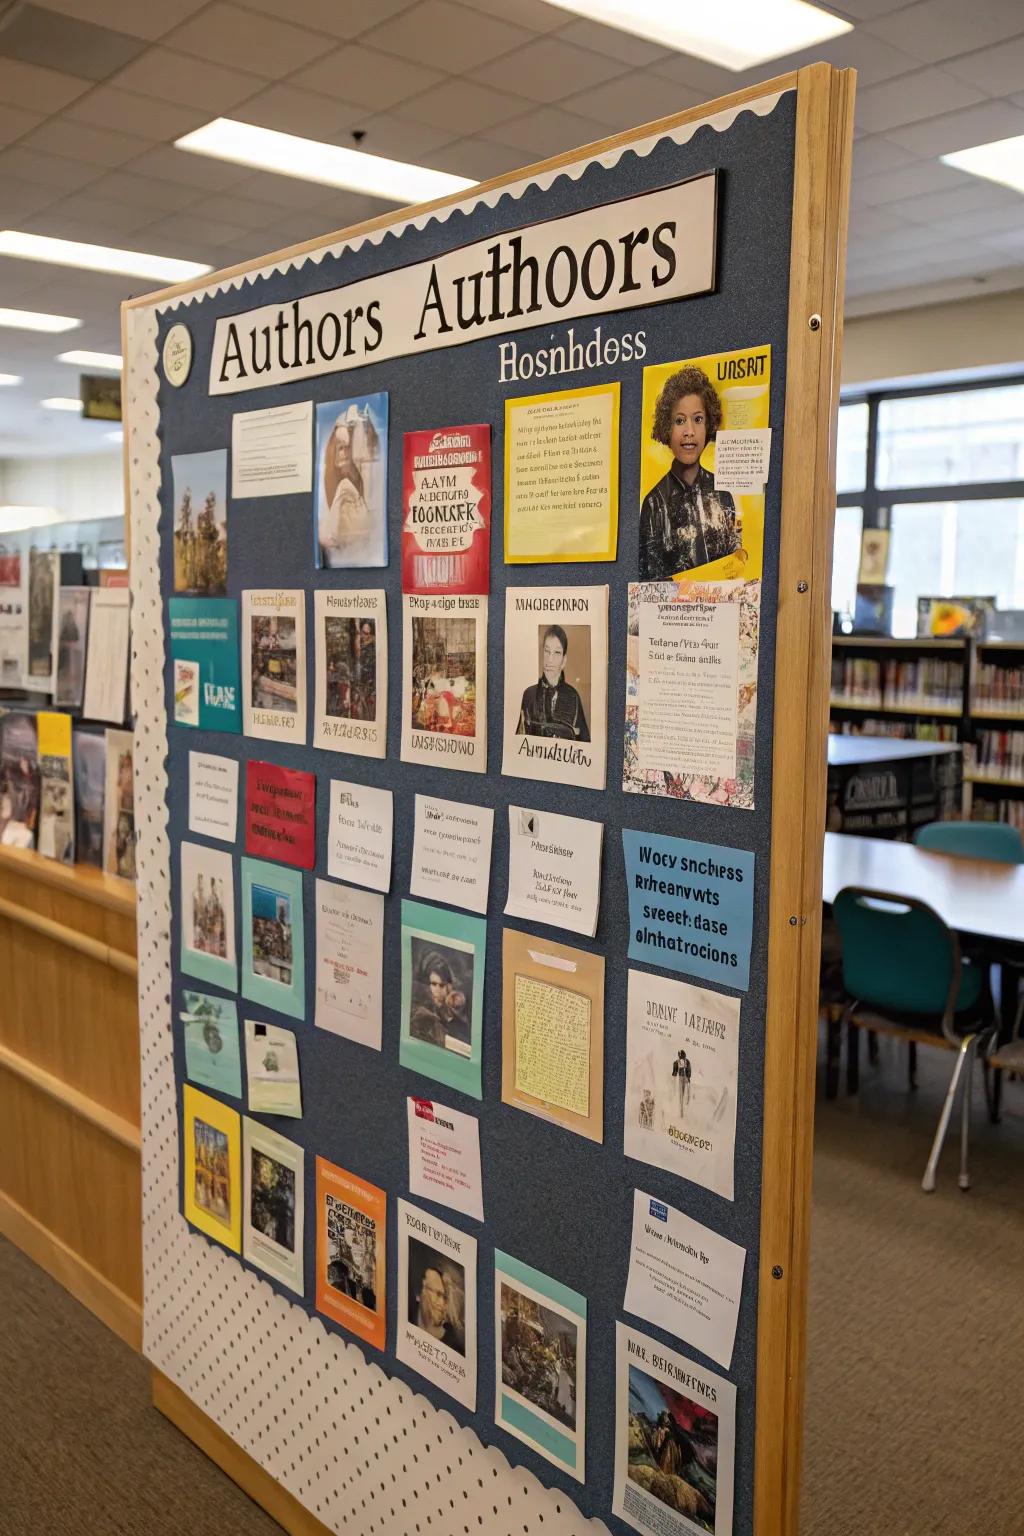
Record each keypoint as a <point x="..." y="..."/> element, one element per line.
<point x="741" y="460"/>
<point x="444" y="1157"/>
<point x="213" y="795"/>
<point x="451" y="855"/>
<point x="684" y="1278"/>
<point x="689" y="663"/>
<point x="272" y="1216"/>
<point x="554" y="869"/>
<point x="350" y="647"/>
<point x="349" y="958"/>
<point x="444" y="682"/>
<point x="106" y="668"/>
<point x="274" y="665"/>
<point x="675" y="1441"/>
<point x="272" y="1069"/>
<point x="682" y="1048"/>
<point x="359" y="835"/>
<point x="272" y="451"/>
<point x="437" y="1332"/>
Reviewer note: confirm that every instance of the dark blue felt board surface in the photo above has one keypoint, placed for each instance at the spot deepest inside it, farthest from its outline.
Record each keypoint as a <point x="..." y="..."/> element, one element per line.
<point x="553" y="1199"/>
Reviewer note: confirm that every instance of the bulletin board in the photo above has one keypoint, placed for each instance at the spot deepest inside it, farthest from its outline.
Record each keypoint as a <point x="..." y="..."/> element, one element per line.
<point x="352" y="1435"/>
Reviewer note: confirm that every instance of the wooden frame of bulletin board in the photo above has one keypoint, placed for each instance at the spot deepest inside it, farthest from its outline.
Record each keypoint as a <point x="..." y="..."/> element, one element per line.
<point x="314" y="1425"/>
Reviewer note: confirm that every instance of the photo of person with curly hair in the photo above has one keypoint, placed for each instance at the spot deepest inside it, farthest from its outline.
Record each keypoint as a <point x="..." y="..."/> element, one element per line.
<point x="684" y="522"/>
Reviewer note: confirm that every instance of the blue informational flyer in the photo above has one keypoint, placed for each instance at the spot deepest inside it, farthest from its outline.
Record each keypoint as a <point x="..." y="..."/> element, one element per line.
<point x="691" y="906"/>
<point x="204" y="651"/>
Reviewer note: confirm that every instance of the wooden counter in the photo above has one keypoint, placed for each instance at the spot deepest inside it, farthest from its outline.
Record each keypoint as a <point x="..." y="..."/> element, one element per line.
<point x="70" y="1180"/>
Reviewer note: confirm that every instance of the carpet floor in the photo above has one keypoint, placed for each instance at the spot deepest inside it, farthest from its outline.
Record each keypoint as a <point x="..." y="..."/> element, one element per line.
<point x="915" y="1407"/>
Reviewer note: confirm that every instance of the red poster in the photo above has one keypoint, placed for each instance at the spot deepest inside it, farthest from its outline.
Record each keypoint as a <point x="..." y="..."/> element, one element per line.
<point x="446" y="511"/>
<point x="10" y="570"/>
<point x="280" y="814"/>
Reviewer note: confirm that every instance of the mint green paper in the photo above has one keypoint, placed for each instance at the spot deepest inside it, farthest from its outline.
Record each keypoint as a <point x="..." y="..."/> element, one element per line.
<point x="273" y="894"/>
<point x="467" y="937"/>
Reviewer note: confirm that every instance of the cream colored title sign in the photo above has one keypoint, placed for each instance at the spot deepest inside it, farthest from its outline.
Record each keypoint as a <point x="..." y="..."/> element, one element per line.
<point x="623" y="255"/>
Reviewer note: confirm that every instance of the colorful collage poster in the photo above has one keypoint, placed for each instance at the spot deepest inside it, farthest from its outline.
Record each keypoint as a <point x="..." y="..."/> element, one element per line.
<point x="351" y="1235"/>
<point x="204" y="658"/>
<point x="119" y="806"/>
<point x="556" y="685"/>
<point x="274" y="665"/>
<point x="200" y="490"/>
<point x="443" y="956"/>
<point x="682" y="1055"/>
<point x="212" y="1167"/>
<point x="540" y="1342"/>
<point x="350" y="490"/>
<point x="210" y="1032"/>
<point x="56" y="839"/>
<point x="675" y="1440"/>
<point x="446" y="510"/>
<point x="444" y="682"/>
<point x="72" y="637"/>
<point x="350" y="645"/>
<point x="274" y="1178"/>
<point x="208" y="915"/>
<point x="273" y="943"/>
<point x="19" y="780"/>
<point x="437" y="1332"/>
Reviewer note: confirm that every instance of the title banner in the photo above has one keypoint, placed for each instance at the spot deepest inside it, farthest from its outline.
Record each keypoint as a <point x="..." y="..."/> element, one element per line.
<point x="643" y="250"/>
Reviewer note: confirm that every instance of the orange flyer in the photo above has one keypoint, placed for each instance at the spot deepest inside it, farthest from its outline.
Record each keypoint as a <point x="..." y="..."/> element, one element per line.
<point x="351" y="1227"/>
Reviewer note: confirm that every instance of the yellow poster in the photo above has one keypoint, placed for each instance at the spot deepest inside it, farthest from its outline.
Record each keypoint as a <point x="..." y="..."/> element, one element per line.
<point x="689" y="530"/>
<point x="213" y="1168"/>
<point x="54" y="734"/>
<point x="562" y="476"/>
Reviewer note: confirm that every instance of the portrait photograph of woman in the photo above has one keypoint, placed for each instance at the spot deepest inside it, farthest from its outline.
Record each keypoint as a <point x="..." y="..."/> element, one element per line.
<point x="351" y="485"/>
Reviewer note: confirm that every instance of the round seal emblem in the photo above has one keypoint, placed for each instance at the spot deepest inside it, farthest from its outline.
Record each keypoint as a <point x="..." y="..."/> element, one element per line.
<point x="177" y="355"/>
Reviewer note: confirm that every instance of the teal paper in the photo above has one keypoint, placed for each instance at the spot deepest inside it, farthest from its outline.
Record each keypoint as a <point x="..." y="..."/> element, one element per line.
<point x="204" y="631"/>
<point x="272" y="898"/>
<point x="426" y="930"/>
<point x="210" y="1029"/>
<point x="514" y="1414"/>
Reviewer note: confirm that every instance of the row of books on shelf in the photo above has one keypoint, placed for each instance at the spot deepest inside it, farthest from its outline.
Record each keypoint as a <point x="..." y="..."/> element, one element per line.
<point x="1010" y="811"/>
<point x="927" y="683"/>
<point x="996" y="755"/>
<point x="999" y="687"/>
<point x="67" y="792"/>
<point x="898" y="730"/>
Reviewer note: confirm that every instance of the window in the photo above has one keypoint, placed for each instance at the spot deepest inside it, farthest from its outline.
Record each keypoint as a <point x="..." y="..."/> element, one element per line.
<point x="852" y="447"/>
<point x="846" y="558"/>
<point x="961" y="437"/>
<point x="955" y="549"/>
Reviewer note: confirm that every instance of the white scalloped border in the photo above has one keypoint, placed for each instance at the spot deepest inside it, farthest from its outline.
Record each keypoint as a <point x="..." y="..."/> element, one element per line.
<point x="356" y="1447"/>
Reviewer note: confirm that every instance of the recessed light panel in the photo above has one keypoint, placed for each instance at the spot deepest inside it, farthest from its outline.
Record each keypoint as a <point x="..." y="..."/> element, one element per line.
<point x="1001" y="161"/>
<point x="737" y="34"/>
<point x="10" y="378"/>
<point x="108" y="360"/>
<point x="60" y="403"/>
<point x="31" y="320"/>
<point x="97" y="258"/>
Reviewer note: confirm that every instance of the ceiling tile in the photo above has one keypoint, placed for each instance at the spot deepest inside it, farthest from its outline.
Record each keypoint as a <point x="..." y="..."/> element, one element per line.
<point x="872" y="221"/>
<point x="282" y="192"/>
<point x="366" y="77"/>
<point x="910" y="181"/>
<point x="179" y="79"/>
<point x="117" y="216"/>
<point x="39" y="90"/>
<point x="540" y="70"/>
<point x="305" y="112"/>
<point x="19" y="198"/>
<point x="632" y="100"/>
<point x="631" y="52"/>
<point x="126" y="186"/>
<point x="78" y="141"/>
<point x="446" y="36"/>
<point x="262" y="45"/>
<point x="396" y="138"/>
<point x="972" y="197"/>
<point x="54" y="171"/>
<point x="14" y="121"/>
<point x="873" y="59"/>
<point x="464" y="106"/>
<point x="996" y="71"/>
<point x="169" y="236"/>
<point x="865" y="10"/>
<point x="546" y="132"/>
<point x="123" y="112"/>
<point x="934" y="30"/>
<point x="148" y="19"/>
<point x="37" y="36"/>
<point x="246" y="213"/>
<point x="875" y="154"/>
<point x="477" y="158"/>
<point x="204" y="174"/>
<point x="338" y="18"/>
<point x="90" y="226"/>
<point x="961" y="130"/>
<point x="534" y="14"/>
<point x="709" y="80"/>
<point x="908" y="99"/>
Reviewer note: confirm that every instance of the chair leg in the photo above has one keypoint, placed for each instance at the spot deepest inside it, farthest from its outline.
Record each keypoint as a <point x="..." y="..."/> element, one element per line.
<point x="852" y="1058"/>
<point x="833" y="1036"/>
<point x="912" y="1066"/>
<point x="928" y="1182"/>
<point x="872" y="1048"/>
<point x="964" y="1179"/>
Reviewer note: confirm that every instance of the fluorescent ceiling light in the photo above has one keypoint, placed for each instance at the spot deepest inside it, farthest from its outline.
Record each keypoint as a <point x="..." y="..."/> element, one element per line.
<point x="60" y="403"/>
<point x="10" y="378"/>
<point x="15" y="519"/>
<point x="330" y="164"/>
<point x="111" y="360"/>
<point x="736" y="34"/>
<point x="97" y="258"/>
<point x="30" y="320"/>
<point x="114" y="437"/>
<point x="1002" y="161"/>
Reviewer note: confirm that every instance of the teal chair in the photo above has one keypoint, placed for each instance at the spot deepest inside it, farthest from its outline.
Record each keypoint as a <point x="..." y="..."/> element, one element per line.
<point x="993" y="840"/>
<point x="903" y="975"/>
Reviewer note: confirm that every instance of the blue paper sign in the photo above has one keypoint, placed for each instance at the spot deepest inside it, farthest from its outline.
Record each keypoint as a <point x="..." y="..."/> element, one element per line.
<point x="691" y="906"/>
<point x="204" y="649"/>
